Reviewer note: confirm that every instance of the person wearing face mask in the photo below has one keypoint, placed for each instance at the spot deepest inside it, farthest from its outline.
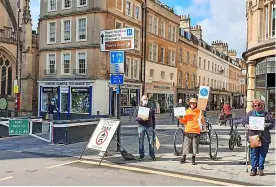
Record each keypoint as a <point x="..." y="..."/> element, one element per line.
<point x="192" y="130"/>
<point x="146" y="127"/>
<point x="258" y="154"/>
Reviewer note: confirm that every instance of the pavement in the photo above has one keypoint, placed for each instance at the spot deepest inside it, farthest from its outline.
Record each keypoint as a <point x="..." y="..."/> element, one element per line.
<point x="228" y="169"/>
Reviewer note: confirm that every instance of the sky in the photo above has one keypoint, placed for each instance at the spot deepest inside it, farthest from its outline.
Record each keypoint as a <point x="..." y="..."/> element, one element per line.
<point x="220" y="19"/>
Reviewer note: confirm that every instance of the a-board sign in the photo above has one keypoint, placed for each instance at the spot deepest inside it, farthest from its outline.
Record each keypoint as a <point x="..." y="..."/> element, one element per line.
<point x="18" y="126"/>
<point x="103" y="134"/>
<point x="117" y="39"/>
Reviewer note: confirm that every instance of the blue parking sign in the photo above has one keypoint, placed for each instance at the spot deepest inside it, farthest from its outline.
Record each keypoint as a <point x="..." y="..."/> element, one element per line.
<point x="129" y="32"/>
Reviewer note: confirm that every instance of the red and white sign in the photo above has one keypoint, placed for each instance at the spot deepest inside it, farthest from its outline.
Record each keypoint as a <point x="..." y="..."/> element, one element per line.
<point x="103" y="134"/>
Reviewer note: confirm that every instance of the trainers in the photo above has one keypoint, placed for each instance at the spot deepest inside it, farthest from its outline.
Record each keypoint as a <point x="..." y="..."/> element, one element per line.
<point x="153" y="158"/>
<point x="183" y="160"/>
<point x="141" y="158"/>
<point x="253" y="173"/>
<point x="261" y="172"/>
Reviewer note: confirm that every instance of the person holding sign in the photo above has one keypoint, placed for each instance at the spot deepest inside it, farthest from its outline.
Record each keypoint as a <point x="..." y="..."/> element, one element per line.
<point x="259" y="137"/>
<point x="192" y="130"/>
<point x="146" y="125"/>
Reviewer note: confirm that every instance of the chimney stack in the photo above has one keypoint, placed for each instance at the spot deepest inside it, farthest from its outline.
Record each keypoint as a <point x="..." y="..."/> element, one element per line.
<point x="185" y="22"/>
<point x="197" y="31"/>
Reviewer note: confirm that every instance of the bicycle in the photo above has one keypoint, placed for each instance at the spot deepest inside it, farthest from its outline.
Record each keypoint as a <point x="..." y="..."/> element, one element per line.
<point x="235" y="138"/>
<point x="206" y="138"/>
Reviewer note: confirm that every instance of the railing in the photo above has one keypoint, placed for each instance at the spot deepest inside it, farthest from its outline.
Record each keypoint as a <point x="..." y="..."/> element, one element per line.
<point x="80" y="71"/>
<point x="50" y="72"/>
<point x="7" y="36"/>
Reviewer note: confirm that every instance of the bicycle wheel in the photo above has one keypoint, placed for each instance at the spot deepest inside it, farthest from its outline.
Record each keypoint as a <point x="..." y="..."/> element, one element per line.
<point x="213" y="146"/>
<point x="239" y="141"/>
<point x="178" y="142"/>
<point x="231" y="143"/>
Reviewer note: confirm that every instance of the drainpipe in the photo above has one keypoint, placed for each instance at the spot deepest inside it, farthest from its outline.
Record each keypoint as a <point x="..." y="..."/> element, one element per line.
<point x="144" y="45"/>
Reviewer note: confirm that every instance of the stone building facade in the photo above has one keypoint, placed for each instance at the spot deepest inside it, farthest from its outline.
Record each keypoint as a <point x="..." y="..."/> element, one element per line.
<point x="73" y="70"/>
<point x="260" y="52"/>
<point x="27" y="56"/>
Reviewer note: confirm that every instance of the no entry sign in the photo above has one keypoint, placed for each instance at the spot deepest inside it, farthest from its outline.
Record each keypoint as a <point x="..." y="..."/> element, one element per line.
<point x="103" y="134"/>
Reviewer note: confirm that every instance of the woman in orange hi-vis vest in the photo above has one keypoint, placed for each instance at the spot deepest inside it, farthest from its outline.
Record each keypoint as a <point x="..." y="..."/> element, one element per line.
<point x="192" y="130"/>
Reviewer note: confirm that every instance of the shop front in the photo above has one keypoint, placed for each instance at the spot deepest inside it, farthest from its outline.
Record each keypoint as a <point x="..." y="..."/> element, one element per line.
<point x="186" y="94"/>
<point x="265" y="82"/>
<point x="218" y="98"/>
<point x="161" y="95"/>
<point x="130" y="92"/>
<point x="72" y="98"/>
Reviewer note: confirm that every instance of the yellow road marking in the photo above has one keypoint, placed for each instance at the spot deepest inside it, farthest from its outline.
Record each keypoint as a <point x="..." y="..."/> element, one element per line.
<point x="59" y="165"/>
<point x="6" y="178"/>
<point x="132" y="168"/>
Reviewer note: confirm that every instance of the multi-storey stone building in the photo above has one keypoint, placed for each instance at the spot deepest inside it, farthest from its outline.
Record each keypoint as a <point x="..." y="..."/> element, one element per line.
<point x="260" y="52"/>
<point x="23" y="61"/>
<point x="161" y="44"/>
<point x="74" y="73"/>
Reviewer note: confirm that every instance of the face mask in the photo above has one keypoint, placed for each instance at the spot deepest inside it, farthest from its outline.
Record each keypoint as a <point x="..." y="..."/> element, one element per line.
<point x="145" y="102"/>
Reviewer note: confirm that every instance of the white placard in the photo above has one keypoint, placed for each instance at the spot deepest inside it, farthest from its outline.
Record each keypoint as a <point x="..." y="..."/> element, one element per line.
<point x="117" y="39"/>
<point x="103" y="134"/>
<point x="179" y="111"/>
<point x="204" y="92"/>
<point x="256" y="123"/>
<point x="143" y="112"/>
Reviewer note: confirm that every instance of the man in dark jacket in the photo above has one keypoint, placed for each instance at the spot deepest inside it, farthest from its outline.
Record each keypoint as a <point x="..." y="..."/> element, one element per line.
<point x="146" y="126"/>
<point x="51" y="109"/>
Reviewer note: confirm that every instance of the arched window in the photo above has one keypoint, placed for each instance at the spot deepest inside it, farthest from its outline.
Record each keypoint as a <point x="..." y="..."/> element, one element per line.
<point x="6" y="75"/>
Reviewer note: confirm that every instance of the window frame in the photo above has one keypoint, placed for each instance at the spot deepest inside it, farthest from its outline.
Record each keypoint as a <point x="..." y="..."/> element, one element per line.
<point x="63" y="5"/>
<point x="62" y="62"/>
<point x="131" y="8"/>
<point x="137" y="72"/>
<point x="78" y="4"/>
<point x="164" y="54"/>
<point x="161" y="75"/>
<point x="49" y="3"/>
<point x="135" y="5"/>
<point x="156" y="53"/>
<point x="139" y="39"/>
<point x="77" y="29"/>
<point x="128" y="76"/>
<point x="164" y="29"/>
<point x="117" y="21"/>
<point x="48" y="62"/>
<point x="122" y="6"/>
<point x="77" y="61"/>
<point x="62" y="30"/>
<point x="151" y="73"/>
<point x="48" y="32"/>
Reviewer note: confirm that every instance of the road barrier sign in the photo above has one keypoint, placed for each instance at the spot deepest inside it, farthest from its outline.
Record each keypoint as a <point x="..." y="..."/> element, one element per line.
<point x="18" y="126"/>
<point x="117" y="39"/>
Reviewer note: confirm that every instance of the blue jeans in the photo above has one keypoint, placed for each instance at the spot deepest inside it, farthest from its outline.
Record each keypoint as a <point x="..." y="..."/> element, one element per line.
<point x="150" y="135"/>
<point x="257" y="156"/>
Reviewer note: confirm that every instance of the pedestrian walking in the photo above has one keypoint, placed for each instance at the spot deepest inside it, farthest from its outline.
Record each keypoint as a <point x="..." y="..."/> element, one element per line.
<point x="262" y="138"/>
<point x="146" y="127"/>
<point x="51" y="109"/>
<point x="192" y="130"/>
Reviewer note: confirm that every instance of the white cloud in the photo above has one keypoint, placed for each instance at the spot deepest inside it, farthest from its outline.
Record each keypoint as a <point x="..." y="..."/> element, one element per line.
<point x="224" y="20"/>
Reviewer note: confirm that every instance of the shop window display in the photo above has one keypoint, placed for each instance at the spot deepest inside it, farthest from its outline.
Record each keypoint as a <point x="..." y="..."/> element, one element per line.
<point x="124" y="97"/>
<point x="80" y="100"/>
<point x="64" y="102"/>
<point x="48" y="95"/>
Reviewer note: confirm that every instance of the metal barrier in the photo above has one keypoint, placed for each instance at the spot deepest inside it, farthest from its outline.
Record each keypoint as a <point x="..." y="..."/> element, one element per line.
<point x="51" y="128"/>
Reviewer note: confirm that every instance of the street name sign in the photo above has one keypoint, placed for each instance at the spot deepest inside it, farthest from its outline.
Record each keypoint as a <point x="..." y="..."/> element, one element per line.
<point x="103" y="134"/>
<point x="117" y="39"/>
<point x="18" y="126"/>
<point x="117" y="59"/>
<point x="117" y="79"/>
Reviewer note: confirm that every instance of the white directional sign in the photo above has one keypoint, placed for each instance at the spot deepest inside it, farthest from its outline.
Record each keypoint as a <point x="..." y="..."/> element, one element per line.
<point x="117" y="39"/>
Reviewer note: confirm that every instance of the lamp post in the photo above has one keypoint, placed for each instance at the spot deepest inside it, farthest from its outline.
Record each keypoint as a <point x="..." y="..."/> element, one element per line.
<point x="17" y="56"/>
